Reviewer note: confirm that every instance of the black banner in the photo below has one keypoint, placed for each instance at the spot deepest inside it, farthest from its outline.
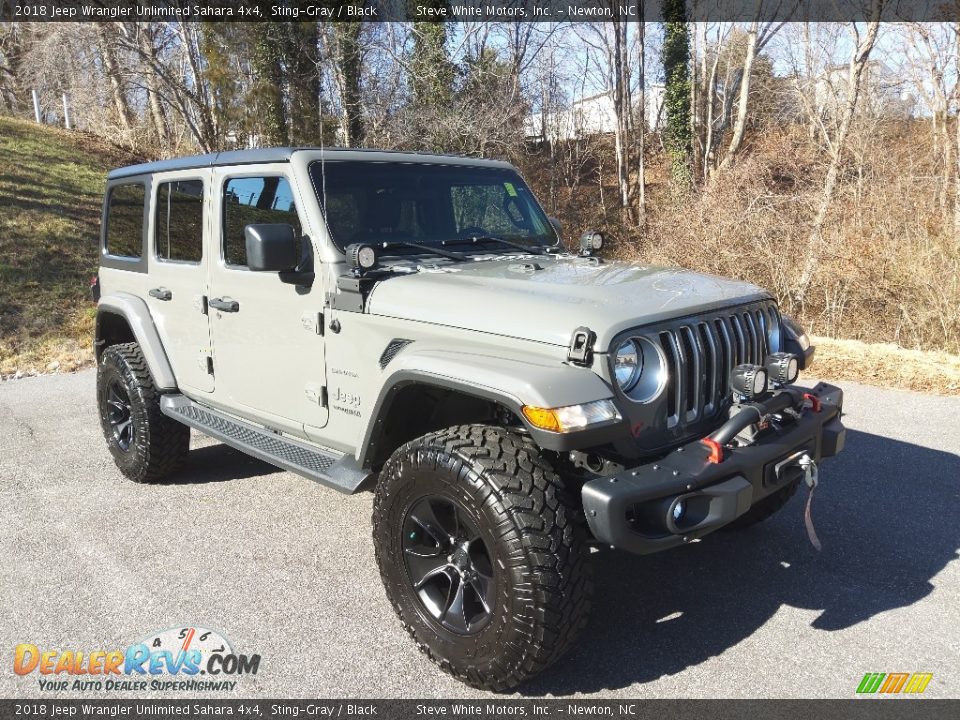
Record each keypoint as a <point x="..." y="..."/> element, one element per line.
<point x="861" y="709"/>
<point x="473" y="10"/>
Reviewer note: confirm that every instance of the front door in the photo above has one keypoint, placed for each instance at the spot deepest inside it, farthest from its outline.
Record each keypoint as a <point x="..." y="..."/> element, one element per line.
<point x="179" y="256"/>
<point x="268" y="351"/>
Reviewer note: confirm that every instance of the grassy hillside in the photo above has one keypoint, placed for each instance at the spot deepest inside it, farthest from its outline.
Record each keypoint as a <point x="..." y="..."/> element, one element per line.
<point x="51" y="191"/>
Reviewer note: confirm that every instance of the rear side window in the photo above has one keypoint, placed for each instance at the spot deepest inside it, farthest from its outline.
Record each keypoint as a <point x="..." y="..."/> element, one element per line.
<point x="178" y="223"/>
<point x="125" y="220"/>
<point x="250" y="201"/>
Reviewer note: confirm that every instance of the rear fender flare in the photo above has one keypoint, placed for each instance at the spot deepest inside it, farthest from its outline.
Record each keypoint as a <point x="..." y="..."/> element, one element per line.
<point x="138" y="318"/>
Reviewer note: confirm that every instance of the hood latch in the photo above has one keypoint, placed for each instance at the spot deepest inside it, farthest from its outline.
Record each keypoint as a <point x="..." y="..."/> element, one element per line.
<point x="581" y="346"/>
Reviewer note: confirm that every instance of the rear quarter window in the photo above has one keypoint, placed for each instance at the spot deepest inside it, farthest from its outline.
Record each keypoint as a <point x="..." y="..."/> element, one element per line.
<point x="124" y="234"/>
<point x="178" y="221"/>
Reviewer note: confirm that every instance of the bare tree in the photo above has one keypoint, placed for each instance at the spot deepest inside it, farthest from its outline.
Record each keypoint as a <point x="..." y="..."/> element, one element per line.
<point x="111" y="68"/>
<point x="758" y="35"/>
<point x="863" y="45"/>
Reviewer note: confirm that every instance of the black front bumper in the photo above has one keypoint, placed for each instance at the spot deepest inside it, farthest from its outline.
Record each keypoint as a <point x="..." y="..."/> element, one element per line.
<point x="633" y="510"/>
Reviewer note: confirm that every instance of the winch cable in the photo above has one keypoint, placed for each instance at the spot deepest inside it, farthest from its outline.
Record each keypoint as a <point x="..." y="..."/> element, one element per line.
<point x="810" y="477"/>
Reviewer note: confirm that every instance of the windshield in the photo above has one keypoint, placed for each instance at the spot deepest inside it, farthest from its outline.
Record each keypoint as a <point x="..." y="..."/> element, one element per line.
<point x="376" y="202"/>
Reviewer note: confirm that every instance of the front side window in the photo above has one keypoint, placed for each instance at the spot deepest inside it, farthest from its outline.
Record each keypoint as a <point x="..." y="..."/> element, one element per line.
<point x="178" y="222"/>
<point x="426" y="203"/>
<point x="125" y="220"/>
<point x="251" y="201"/>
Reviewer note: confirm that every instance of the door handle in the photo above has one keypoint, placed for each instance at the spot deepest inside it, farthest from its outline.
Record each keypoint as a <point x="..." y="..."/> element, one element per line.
<point x="224" y="304"/>
<point x="161" y="293"/>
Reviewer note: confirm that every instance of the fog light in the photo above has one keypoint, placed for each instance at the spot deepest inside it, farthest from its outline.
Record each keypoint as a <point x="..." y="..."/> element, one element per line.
<point x="678" y="511"/>
<point x="590" y="242"/>
<point x="782" y="367"/>
<point x="361" y="256"/>
<point x="748" y="381"/>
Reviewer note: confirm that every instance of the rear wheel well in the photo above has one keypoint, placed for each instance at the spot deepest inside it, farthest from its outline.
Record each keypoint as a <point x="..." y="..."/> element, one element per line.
<point x="112" y="329"/>
<point x="418" y="409"/>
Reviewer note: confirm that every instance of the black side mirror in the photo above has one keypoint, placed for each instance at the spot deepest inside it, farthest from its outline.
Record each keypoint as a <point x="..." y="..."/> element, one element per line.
<point x="271" y="247"/>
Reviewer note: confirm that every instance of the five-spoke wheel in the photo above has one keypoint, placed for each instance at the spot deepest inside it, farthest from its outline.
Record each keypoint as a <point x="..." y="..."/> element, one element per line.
<point x="448" y="564"/>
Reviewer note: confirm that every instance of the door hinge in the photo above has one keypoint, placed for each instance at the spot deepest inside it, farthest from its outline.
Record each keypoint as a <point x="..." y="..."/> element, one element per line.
<point x="316" y="394"/>
<point x="206" y="362"/>
<point x="312" y="322"/>
<point x="200" y="303"/>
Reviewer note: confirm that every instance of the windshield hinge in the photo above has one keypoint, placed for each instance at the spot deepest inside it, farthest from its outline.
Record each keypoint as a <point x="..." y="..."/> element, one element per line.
<point x="581" y="346"/>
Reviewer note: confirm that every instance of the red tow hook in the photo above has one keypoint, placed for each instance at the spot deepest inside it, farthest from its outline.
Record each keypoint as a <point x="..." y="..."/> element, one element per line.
<point x="814" y="402"/>
<point x="716" y="450"/>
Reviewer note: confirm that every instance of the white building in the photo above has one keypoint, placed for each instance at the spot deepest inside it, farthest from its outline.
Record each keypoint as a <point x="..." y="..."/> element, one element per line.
<point x="593" y="115"/>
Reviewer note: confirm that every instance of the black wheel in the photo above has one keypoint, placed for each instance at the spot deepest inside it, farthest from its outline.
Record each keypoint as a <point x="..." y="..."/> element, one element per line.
<point x="146" y="445"/>
<point x="481" y="554"/>
<point x="764" y="508"/>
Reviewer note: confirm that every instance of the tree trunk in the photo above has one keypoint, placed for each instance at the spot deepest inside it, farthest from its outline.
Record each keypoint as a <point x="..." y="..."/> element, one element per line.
<point x="676" y="95"/>
<point x="858" y="62"/>
<point x="266" y="62"/>
<point x="741" y="124"/>
<point x="642" y="127"/>
<point x="956" y="179"/>
<point x="348" y="62"/>
<point x="158" y="117"/>
<point x="112" y="70"/>
<point x="711" y="92"/>
<point x="621" y="110"/>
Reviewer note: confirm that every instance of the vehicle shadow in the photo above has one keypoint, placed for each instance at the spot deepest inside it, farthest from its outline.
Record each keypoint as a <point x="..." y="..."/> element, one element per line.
<point x="218" y="463"/>
<point x="884" y="511"/>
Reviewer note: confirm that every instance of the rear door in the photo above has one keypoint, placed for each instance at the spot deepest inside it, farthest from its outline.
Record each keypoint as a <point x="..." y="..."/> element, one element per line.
<point x="177" y="289"/>
<point x="268" y="346"/>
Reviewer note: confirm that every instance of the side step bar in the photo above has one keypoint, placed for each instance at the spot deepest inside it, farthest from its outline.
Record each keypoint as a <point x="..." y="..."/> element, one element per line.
<point x="325" y="466"/>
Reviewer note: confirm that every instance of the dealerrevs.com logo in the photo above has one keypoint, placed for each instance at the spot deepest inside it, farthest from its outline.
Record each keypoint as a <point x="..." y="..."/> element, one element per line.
<point x="190" y="659"/>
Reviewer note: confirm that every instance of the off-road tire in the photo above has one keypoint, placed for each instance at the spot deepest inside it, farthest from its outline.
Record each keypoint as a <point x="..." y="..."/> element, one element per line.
<point x="159" y="444"/>
<point x="537" y="546"/>
<point x="765" y="508"/>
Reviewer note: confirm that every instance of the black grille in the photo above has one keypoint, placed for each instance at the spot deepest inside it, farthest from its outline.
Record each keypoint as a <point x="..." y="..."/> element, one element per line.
<point x="701" y="353"/>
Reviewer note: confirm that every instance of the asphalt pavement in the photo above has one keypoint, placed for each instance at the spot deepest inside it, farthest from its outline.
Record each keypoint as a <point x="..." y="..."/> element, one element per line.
<point x="284" y="568"/>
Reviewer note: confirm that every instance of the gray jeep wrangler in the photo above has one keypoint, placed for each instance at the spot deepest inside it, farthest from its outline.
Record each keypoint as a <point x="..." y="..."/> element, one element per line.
<point x="410" y="323"/>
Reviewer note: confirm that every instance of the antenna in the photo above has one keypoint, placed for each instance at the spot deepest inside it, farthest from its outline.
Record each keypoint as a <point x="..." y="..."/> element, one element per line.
<point x="323" y="164"/>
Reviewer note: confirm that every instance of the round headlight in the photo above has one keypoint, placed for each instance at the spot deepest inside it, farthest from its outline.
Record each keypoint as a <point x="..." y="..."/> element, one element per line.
<point x="627" y="365"/>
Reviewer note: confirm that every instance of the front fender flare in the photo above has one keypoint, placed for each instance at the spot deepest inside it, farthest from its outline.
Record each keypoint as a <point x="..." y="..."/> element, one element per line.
<point x="510" y="382"/>
<point x="138" y="317"/>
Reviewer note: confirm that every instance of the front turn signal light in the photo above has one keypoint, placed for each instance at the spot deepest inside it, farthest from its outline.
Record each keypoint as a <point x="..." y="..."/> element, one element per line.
<point x="571" y="417"/>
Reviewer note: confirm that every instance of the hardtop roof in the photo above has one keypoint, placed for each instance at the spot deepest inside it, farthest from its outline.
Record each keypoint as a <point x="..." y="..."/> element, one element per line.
<point x="272" y="155"/>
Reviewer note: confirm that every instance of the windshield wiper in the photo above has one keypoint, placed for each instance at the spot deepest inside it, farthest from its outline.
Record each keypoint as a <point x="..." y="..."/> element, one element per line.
<point x="535" y="250"/>
<point x="420" y="246"/>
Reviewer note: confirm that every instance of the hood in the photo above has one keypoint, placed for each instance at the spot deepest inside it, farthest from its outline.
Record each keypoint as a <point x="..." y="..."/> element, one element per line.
<point x="545" y="298"/>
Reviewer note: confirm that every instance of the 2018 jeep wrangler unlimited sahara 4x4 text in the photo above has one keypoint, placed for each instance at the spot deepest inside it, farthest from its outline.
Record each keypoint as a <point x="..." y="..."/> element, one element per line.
<point x="410" y="323"/>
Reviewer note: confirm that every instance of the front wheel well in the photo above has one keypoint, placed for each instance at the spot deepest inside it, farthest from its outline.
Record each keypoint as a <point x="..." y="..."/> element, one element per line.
<point x="417" y="409"/>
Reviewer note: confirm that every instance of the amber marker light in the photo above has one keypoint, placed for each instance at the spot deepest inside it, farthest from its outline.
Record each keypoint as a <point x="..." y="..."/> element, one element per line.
<point x="571" y="417"/>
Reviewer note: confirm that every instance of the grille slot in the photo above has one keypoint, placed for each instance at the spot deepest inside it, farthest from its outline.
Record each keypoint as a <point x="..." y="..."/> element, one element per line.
<point x="701" y="353"/>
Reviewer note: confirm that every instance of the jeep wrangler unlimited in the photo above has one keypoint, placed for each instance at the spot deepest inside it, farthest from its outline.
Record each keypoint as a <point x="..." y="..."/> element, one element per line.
<point x="411" y="323"/>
